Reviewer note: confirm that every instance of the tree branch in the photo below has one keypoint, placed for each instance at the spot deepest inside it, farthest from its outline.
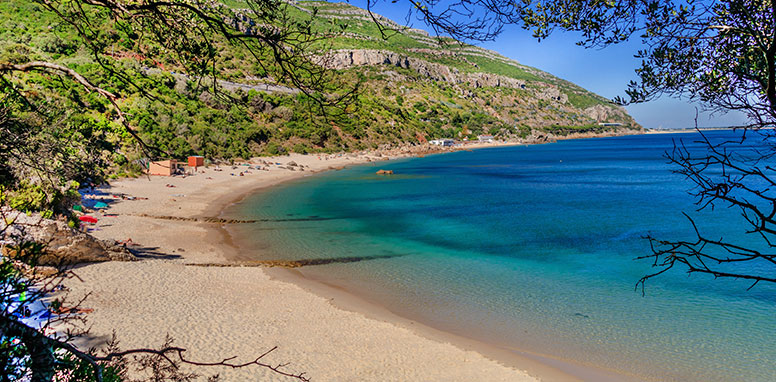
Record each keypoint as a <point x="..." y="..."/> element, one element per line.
<point x="60" y="69"/>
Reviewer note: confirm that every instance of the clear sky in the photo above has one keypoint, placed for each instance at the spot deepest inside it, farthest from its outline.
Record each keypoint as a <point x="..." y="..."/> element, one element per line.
<point x="603" y="71"/>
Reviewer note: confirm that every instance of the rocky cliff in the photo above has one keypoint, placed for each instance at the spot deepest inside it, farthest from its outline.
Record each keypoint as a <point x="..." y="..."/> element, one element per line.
<point x="513" y="93"/>
<point x="416" y="87"/>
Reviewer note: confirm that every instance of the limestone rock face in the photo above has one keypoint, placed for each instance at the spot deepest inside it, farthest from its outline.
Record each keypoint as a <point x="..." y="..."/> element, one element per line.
<point x="343" y="59"/>
<point x="479" y="80"/>
<point x="602" y="113"/>
<point x="64" y="245"/>
<point x="552" y="93"/>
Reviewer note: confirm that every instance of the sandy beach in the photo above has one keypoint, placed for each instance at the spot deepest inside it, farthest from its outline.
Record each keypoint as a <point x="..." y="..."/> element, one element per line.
<point x="219" y="312"/>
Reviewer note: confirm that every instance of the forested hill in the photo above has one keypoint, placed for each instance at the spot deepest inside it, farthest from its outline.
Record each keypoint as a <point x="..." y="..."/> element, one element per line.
<point x="411" y="87"/>
<point x="440" y="74"/>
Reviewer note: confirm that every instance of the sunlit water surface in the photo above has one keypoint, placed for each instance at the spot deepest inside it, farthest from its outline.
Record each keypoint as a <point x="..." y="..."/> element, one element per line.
<point x="531" y="247"/>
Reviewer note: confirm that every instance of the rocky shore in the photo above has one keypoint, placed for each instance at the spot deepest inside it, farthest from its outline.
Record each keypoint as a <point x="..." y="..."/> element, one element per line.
<point x="64" y="245"/>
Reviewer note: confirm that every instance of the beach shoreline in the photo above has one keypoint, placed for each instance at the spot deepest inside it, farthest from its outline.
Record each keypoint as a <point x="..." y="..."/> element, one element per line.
<point x="544" y="367"/>
<point x="389" y="347"/>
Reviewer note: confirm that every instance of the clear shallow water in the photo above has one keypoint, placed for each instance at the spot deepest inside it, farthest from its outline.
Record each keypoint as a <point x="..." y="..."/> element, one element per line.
<point x="531" y="247"/>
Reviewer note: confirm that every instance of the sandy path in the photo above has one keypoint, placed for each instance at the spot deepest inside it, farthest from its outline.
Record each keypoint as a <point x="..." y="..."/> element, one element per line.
<point x="223" y="312"/>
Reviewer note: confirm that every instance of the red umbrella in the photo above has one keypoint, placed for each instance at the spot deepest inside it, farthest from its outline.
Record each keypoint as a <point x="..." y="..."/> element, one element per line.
<point x="88" y="219"/>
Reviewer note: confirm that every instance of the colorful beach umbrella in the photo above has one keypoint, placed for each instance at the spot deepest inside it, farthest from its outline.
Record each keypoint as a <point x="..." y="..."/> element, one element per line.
<point x="88" y="219"/>
<point x="100" y="205"/>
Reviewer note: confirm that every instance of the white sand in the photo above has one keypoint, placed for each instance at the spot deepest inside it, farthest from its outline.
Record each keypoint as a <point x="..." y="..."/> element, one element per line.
<point x="223" y="312"/>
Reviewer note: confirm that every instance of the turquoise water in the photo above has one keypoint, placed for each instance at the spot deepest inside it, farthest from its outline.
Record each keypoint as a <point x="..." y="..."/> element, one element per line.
<point x="531" y="247"/>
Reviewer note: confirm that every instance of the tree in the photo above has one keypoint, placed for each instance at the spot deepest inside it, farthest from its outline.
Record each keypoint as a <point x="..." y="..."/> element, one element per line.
<point x="722" y="55"/>
<point x="33" y="303"/>
<point x="731" y="174"/>
<point x="87" y="96"/>
<point x="61" y="123"/>
<point x="719" y="54"/>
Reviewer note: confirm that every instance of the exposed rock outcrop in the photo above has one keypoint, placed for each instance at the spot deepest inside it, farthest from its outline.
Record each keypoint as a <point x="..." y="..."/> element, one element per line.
<point x="343" y="59"/>
<point x="64" y="245"/>
<point x="537" y="137"/>
<point x="603" y="113"/>
<point x="479" y="80"/>
<point x="206" y="219"/>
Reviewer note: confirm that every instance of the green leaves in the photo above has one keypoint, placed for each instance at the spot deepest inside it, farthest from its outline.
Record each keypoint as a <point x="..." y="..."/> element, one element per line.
<point x="28" y="197"/>
<point x="721" y="54"/>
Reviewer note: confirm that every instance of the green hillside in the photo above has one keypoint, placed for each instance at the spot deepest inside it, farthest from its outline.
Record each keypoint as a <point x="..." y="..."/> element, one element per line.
<point x="411" y="88"/>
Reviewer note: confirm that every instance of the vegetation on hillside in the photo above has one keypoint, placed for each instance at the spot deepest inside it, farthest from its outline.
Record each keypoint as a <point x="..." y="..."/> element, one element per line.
<point x="96" y="89"/>
<point x="178" y="110"/>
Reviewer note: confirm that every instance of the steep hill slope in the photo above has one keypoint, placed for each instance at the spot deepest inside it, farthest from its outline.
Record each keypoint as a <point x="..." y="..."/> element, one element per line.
<point x="439" y="87"/>
<point x="413" y="88"/>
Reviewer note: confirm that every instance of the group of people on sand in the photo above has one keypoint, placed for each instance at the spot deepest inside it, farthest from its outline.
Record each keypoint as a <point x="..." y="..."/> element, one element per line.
<point x="127" y="243"/>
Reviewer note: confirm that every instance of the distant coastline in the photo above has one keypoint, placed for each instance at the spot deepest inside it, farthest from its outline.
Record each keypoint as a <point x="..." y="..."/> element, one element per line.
<point x="690" y="129"/>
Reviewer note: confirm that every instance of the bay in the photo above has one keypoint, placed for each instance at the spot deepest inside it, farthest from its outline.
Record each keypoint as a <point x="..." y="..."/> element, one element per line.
<point x="533" y="248"/>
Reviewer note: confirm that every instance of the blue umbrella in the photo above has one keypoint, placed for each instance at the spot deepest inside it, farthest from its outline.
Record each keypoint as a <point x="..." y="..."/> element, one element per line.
<point x="100" y="205"/>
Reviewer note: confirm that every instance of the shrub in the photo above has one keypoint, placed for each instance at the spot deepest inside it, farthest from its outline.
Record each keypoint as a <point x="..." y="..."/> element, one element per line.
<point x="300" y="148"/>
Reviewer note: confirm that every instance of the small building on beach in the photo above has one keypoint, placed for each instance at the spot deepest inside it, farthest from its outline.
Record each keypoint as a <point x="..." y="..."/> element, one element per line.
<point x="196" y="161"/>
<point x="163" y="167"/>
<point x="485" y="138"/>
<point x="443" y="142"/>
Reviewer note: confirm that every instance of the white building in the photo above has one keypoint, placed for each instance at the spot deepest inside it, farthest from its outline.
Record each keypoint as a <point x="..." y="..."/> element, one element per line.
<point x="442" y="142"/>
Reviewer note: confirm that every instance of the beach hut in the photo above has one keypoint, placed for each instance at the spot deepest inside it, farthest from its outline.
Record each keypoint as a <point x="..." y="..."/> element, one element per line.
<point x="162" y="167"/>
<point x="196" y="161"/>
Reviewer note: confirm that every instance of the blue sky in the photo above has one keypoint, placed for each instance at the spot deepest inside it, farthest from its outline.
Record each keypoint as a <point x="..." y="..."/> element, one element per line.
<point x="604" y="71"/>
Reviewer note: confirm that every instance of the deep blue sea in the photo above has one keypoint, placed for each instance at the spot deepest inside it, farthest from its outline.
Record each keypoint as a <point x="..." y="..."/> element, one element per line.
<point x="531" y="247"/>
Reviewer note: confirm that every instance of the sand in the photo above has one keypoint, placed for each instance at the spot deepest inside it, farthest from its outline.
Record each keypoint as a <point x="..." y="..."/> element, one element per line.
<point x="219" y="312"/>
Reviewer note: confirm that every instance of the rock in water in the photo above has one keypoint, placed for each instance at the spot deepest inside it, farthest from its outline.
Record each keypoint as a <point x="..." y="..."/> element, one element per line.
<point x="384" y="172"/>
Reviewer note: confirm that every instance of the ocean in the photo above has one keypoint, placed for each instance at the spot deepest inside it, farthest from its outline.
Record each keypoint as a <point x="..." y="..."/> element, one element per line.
<point x="531" y="248"/>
